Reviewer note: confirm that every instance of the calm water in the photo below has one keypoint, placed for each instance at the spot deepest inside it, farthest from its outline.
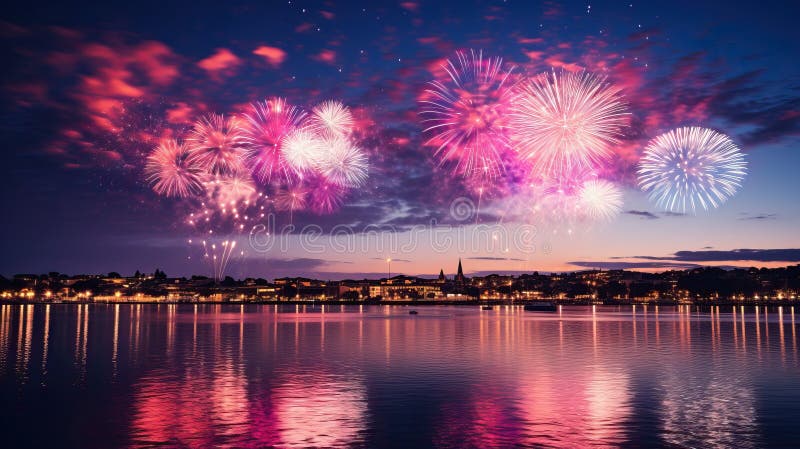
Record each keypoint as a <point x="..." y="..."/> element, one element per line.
<point x="102" y="376"/>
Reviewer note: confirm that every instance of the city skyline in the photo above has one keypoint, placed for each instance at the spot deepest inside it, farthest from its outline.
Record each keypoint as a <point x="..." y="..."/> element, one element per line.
<point x="91" y="93"/>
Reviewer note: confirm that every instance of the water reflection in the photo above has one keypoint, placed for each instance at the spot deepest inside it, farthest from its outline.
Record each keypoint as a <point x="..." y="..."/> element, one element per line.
<point x="45" y="342"/>
<point x="196" y="409"/>
<point x="708" y="412"/>
<point x="24" y="337"/>
<point x="5" y="332"/>
<point x="318" y="410"/>
<point x="576" y="409"/>
<point x="304" y="376"/>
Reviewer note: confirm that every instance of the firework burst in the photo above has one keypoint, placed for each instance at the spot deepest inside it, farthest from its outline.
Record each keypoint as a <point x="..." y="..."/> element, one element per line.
<point x="600" y="200"/>
<point x="268" y="123"/>
<point x="561" y="121"/>
<point x="228" y="192"/>
<point x="343" y="164"/>
<point x="690" y="167"/>
<point x="332" y="118"/>
<point x="173" y="171"/>
<point x="218" y="143"/>
<point x="302" y="150"/>
<point x="324" y="197"/>
<point x="465" y="114"/>
<point x="291" y="198"/>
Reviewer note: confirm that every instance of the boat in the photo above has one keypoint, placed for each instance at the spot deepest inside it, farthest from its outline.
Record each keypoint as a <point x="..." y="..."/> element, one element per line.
<point x="487" y="308"/>
<point x="541" y="307"/>
<point x="412" y="312"/>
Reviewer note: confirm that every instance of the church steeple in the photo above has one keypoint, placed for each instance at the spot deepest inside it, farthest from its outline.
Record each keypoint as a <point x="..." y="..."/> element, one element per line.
<point x="459" y="279"/>
<point x="442" y="278"/>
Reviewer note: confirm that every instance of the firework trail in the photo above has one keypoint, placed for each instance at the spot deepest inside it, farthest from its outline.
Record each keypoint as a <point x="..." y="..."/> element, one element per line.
<point x="332" y="118"/>
<point x="172" y="170"/>
<point x="268" y="124"/>
<point x="600" y="200"/>
<point x="219" y="256"/>
<point x="218" y="143"/>
<point x="562" y="121"/>
<point x="465" y="114"/>
<point x="343" y="164"/>
<point x="690" y="167"/>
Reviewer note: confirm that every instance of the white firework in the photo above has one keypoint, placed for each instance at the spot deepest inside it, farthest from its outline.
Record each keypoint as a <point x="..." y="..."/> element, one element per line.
<point x="562" y="121"/>
<point x="691" y="167"/>
<point x="600" y="200"/>
<point x="332" y="118"/>
<point x="302" y="150"/>
<point x="343" y="163"/>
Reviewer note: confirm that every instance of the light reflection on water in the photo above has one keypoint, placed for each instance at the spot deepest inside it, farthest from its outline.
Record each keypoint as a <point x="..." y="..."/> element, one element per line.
<point x="375" y="376"/>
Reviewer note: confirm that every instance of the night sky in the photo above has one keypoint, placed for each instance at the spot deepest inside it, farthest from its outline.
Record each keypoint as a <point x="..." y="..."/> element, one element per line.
<point x="88" y="91"/>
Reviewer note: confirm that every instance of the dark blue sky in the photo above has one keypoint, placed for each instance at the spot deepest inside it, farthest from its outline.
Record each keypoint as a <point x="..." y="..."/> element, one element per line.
<point x="88" y="89"/>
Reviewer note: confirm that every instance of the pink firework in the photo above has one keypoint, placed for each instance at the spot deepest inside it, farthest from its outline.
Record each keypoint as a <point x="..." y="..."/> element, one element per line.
<point x="230" y="192"/>
<point x="291" y="198"/>
<point x="324" y="197"/>
<point x="173" y="170"/>
<point x="466" y="114"/>
<point x="562" y="121"/>
<point x="218" y="143"/>
<point x="269" y="122"/>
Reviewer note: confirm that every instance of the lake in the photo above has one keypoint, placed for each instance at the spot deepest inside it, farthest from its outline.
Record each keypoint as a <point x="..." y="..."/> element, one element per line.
<point x="251" y="376"/>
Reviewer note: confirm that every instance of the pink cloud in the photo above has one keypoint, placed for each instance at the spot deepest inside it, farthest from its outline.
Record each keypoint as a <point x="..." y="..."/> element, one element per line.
<point x="303" y="27"/>
<point x="153" y="57"/>
<point x="273" y="55"/>
<point x="222" y="63"/>
<point x="8" y="29"/>
<point x="534" y="55"/>
<point x="568" y="66"/>
<point x="180" y="114"/>
<point x="327" y="56"/>
<point x="410" y="6"/>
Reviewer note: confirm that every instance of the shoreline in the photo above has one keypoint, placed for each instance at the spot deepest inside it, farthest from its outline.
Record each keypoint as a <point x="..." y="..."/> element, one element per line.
<point x="428" y="303"/>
